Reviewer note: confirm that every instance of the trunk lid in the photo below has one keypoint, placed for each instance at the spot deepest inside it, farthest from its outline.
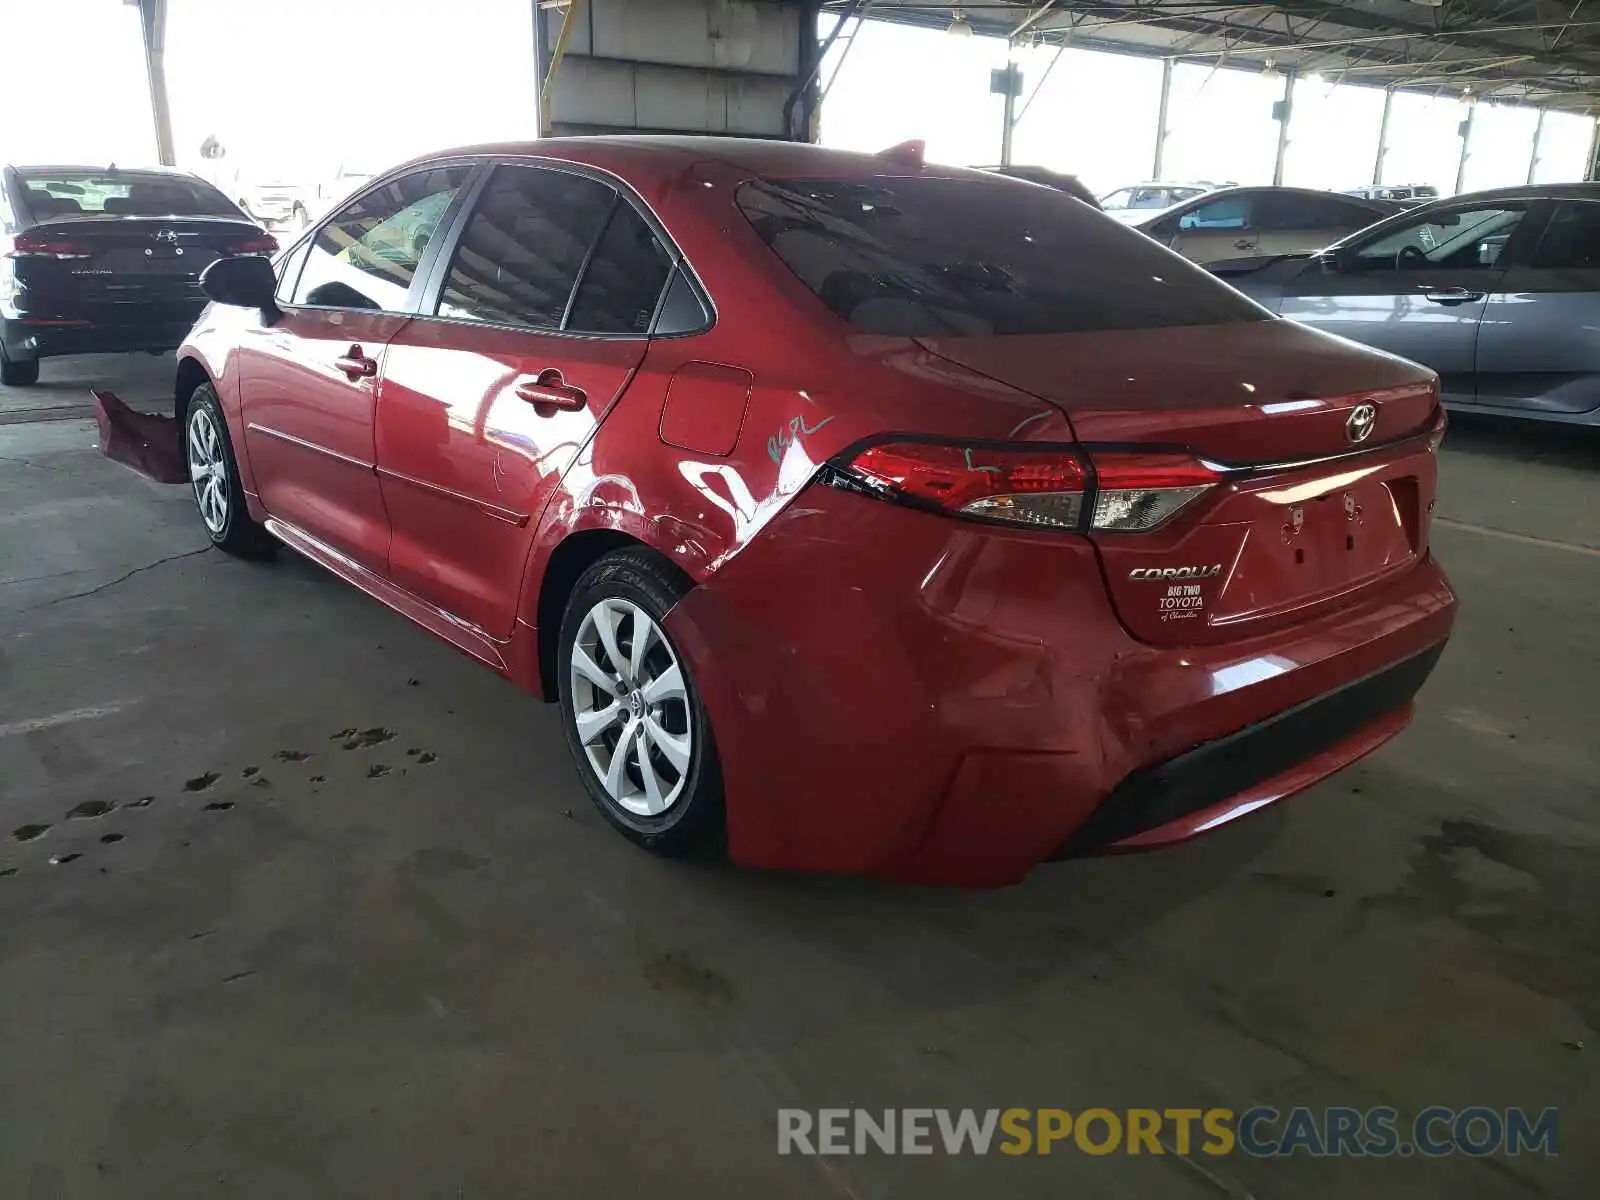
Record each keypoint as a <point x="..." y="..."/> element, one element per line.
<point x="128" y="258"/>
<point x="1281" y="536"/>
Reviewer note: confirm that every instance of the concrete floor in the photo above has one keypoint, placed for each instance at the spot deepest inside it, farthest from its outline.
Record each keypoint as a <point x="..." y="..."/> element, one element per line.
<point x="312" y="978"/>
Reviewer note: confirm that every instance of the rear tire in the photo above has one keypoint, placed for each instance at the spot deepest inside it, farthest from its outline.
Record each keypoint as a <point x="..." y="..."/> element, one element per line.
<point x="18" y="374"/>
<point x="666" y="792"/>
<point x="214" y="475"/>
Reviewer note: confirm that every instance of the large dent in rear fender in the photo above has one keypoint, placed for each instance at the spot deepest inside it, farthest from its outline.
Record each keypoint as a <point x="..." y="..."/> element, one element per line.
<point x="852" y="654"/>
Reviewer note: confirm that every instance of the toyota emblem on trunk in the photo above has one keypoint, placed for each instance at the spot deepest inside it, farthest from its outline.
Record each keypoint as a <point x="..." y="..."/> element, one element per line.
<point x="1362" y="418"/>
<point x="1360" y="424"/>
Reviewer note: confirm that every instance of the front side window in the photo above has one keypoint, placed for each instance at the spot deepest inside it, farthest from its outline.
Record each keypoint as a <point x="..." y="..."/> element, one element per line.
<point x="927" y="257"/>
<point x="1459" y="240"/>
<point x="288" y="269"/>
<point x="521" y="252"/>
<point x="1231" y="212"/>
<point x="1572" y="239"/>
<point x="1152" y="198"/>
<point x="366" y="256"/>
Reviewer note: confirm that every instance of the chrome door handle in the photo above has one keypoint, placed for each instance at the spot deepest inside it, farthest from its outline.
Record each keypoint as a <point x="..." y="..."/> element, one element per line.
<point x="549" y="394"/>
<point x="1452" y="295"/>
<point x="356" y="365"/>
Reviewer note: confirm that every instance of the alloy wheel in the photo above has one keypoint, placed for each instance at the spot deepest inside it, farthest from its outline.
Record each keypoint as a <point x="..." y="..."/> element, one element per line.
<point x="208" y="470"/>
<point x="631" y="707"/>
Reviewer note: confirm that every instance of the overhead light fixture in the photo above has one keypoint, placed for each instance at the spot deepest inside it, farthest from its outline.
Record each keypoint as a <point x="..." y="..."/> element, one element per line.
<point x="959" y="25"/>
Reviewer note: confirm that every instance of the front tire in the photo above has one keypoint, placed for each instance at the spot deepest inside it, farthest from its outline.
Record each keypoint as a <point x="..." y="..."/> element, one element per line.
<point x="634" y="722"/>
<point x="214" y="474"/>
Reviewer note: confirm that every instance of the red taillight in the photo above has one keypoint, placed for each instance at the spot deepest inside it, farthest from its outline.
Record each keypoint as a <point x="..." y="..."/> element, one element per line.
<point x="1136" y="492"/>
<point x="1022" y="485"/>
<point x="263" y="243"/>
<point x="46" y="245"/>
<point x="1053" y="487"/>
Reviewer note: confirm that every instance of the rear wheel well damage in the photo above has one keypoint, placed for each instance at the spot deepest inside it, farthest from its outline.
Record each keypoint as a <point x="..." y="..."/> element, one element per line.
<point x="567" y="564"/>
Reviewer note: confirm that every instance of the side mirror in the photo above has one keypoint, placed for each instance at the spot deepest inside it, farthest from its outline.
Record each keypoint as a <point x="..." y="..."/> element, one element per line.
<point x="1338" y="261"/>
<point x="245" y="281"/>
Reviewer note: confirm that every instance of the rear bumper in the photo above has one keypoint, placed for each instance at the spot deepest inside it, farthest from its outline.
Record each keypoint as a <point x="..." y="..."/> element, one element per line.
<point x="904" y="695"/>
<point x="27" y="340"/>
<point x="1230" y="776"/>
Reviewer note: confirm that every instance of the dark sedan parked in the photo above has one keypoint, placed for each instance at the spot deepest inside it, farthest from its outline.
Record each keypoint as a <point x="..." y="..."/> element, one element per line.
<point x="1497" y="291"/>
<point x="96" y="259"/>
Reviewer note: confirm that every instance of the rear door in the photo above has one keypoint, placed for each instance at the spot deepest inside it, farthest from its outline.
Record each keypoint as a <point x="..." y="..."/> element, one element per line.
<point x="1537" y="346"/>
<point x="540" y="317"/>
<point x="1226" y="227"/>
<point x="1416" y="287"/>
<point x="308" y="380"/>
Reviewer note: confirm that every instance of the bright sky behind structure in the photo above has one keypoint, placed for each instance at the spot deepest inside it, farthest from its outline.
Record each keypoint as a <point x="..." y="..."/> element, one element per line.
<point x="298" y="87"/>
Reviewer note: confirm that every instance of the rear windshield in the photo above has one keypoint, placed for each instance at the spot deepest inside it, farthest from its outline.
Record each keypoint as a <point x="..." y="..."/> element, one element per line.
<point x="122" y="193"/>
<point x="975" y="258"/>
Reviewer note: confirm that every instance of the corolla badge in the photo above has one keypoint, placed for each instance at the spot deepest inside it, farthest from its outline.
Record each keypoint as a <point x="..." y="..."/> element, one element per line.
<point x="1358" y="428"/>
<point x="1165" y="573"/>
<point x="166" y="235"/>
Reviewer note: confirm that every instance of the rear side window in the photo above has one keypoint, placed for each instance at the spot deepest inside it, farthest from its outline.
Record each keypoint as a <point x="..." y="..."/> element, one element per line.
<point x="1572" y="239"/>
<point x="623" y="281"/>
<point x="1290" y="211"/>
<point x="524" y="247"/>
<point x="121" y="194"/>
<point x="932" y="257"/>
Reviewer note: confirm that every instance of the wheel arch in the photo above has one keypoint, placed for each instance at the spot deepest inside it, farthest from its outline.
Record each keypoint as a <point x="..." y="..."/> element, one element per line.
<point x="191" y="374"/>
<point x="567" y="562"/>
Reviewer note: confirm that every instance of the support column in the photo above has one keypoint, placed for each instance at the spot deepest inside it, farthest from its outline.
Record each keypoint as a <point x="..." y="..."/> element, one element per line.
<point x="153" y="20"/>
<point x="1589" y="172"/>
<point x="1283" y="111"/>
<point x="1533" y="155"/>
<point x="1007" y="81"/>
<point x="1010" y="118"/>
<point x="1383" y="137"/>
<point x="1465" y="129"/>
<point x="1161" y="118"/>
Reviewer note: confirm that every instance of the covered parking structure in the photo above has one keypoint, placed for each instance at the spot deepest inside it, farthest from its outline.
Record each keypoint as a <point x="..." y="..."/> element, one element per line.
<point x="1544" y="56"/>
<point x="748" y="67"/>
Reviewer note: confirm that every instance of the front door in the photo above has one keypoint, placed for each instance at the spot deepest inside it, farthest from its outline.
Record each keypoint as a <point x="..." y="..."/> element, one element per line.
<point x="1416" y="289"/>
<point x="1537" y="346"/>
<point x="309" y="379"/>
<point x="540" y="323"/>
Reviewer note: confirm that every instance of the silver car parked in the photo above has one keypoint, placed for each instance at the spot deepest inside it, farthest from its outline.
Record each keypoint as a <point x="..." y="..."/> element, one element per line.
<point x="1497" y="291"/>
<point x="1260" y="221"/>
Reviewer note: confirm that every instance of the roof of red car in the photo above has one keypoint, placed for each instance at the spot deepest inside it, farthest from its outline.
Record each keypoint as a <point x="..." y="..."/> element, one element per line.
<point x="671" y="153"/>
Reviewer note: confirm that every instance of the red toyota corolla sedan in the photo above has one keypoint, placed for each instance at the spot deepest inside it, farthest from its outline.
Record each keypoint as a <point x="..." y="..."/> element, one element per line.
<point x="868" y="515"/>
